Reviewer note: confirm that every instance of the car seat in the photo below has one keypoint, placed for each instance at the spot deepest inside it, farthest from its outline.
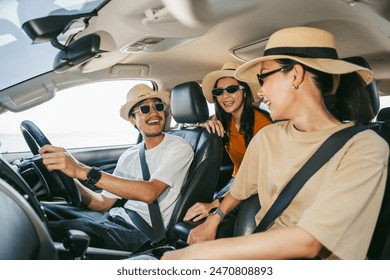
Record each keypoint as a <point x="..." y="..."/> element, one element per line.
<point x="189" y="106"/>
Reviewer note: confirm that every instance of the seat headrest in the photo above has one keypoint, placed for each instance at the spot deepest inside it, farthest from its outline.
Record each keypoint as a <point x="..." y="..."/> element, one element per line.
<point x="384" y="115"/>
<point x="372" y="89"/>
<point x="188" y="104"/>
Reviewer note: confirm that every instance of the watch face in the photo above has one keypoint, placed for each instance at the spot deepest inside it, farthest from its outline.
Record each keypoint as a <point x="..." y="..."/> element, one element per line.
<point x="94" y="175"/>
<point x="217" y="211"/>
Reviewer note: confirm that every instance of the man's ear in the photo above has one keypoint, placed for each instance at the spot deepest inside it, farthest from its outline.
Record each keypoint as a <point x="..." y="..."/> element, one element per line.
<point x="132" y="120"/>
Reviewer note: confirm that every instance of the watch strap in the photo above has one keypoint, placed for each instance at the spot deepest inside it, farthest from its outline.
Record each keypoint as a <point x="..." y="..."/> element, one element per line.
<point x="219" y="212"/>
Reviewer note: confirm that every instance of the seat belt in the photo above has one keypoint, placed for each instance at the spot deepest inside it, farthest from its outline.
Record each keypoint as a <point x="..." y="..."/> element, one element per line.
<point x="324" y="153"/>
<point x="154" y="208"/>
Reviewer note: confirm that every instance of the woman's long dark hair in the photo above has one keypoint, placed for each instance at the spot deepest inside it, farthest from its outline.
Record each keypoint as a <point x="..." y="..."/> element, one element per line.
<point x="350" y="102"/>
<point x="247" y="117"/>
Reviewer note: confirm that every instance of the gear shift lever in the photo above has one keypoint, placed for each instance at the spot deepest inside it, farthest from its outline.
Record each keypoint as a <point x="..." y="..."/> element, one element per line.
<point x="77" y="243"/>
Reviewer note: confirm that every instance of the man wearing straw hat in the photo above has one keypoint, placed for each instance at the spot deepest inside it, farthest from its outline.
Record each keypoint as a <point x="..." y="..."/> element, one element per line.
<point x="168" y="158"/>
<point x="333" y="215"/>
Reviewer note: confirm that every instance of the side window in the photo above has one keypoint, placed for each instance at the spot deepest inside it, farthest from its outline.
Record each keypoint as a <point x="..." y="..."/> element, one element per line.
<point x="83" y="116"/>
<point x="211" y="108"/>
<point x="384" y="101"/>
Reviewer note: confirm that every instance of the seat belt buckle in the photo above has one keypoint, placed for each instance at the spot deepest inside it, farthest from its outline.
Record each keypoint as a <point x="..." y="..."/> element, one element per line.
<point x="160" y="242"/>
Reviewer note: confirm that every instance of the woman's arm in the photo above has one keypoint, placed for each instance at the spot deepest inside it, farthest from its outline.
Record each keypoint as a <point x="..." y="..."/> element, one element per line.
<point x="208" y="229"/>
<point x="278" y="244"/>
<point x="213" y="125"/>
<point x="200" y="210"/>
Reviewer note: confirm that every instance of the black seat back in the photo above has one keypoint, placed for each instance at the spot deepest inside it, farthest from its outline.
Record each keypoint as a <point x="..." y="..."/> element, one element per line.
<point x="383" y="115"/>
<point x="189" y="106"/>
<point x="245" y="221"/>
<point x="380" y="243"/>
<point x="24" y="235"/>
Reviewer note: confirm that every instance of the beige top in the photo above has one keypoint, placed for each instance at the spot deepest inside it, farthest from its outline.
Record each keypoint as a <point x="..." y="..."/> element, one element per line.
<point x="339" y="204"/>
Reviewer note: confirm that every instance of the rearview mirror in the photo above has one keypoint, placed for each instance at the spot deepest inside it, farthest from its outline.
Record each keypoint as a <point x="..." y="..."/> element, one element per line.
<point x="77" y="53"/>
<point x="50" y="27"/>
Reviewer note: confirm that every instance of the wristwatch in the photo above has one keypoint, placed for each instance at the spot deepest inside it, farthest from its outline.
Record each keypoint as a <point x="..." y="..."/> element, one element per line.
<point x="93" y="176"/>
<point x="217" y="211"/>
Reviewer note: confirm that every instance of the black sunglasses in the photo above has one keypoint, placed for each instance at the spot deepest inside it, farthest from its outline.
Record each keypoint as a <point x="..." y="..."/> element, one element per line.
<point x="261" y="77"/>
<point x="230" y="89"/>
<point x="145" y="109"/>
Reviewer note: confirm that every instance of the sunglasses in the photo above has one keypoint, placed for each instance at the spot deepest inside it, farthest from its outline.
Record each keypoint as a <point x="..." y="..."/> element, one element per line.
<point x="230" y="89"/>
<point x="261" y="77"/>
<point x="145" y="109"/>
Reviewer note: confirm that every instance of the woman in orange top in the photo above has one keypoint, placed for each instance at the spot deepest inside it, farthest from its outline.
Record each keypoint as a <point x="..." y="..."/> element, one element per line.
<point x="237" y="120"/>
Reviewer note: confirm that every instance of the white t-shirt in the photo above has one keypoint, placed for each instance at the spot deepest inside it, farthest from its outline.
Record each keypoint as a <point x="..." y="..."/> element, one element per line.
<point x="168" y="162"/>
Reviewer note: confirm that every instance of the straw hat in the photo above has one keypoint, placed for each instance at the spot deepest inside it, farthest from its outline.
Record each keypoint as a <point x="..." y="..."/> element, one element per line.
<point x="227" y="70"/>
<point x="312" y="47"/>
<point x="139" y="93"/>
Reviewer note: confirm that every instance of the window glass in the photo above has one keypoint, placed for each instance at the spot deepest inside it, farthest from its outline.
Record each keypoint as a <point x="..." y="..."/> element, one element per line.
<point x="83" y="116"/>
<point x="16" y="47"/>
<point x="211" y="108"/>
<point x="384" y="101"/>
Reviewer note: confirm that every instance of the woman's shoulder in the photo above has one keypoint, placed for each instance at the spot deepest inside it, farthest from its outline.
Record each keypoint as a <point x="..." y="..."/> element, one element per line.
<point x="371" y="138"/>
<point x="276" y="129"/>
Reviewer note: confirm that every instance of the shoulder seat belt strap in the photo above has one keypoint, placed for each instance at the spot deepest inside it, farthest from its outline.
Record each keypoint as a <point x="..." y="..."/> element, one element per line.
<point x="316" y="161"/>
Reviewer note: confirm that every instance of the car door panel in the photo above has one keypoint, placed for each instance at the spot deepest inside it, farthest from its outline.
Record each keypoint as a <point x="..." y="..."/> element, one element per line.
<point x="104" y="158"/>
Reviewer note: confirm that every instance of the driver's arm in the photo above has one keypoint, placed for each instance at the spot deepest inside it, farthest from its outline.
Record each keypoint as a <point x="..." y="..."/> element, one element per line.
<point x="93" y="200"/>
<point x="57" y="158"/>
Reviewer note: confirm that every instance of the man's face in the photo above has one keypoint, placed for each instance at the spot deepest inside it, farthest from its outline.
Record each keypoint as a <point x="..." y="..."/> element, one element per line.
<point x="149" y="118"/>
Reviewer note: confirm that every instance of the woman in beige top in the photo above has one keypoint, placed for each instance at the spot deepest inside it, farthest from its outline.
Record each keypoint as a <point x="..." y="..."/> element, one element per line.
<point x="334" y="214"/>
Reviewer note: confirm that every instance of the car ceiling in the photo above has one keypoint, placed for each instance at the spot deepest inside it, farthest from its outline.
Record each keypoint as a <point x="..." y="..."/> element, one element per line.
<point x="199" y="36"/>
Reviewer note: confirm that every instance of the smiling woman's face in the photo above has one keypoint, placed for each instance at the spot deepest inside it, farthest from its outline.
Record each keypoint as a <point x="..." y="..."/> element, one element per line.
<point x="276" y="91"/>
<point x="230" y="102"/>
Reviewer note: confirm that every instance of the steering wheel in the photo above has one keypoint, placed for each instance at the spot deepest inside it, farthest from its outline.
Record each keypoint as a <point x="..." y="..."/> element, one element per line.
<point x="59" y="183"/>
<point x="19" y="184"/>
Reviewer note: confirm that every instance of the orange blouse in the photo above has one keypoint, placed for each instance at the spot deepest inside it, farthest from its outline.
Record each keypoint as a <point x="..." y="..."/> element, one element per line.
<point x="236" y="147"/>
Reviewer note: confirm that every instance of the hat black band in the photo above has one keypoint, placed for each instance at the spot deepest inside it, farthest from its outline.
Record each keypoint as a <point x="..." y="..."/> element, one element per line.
<point x="310" y="52"/>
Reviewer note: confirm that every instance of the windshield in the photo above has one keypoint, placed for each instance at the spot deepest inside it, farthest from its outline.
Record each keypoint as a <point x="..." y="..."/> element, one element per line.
<point x="20" y="59"/>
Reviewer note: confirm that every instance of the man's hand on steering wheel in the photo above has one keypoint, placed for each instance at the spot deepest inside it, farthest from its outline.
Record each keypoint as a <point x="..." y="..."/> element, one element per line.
<point x="60" y="184"/>
<point x="57" y="158"/>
